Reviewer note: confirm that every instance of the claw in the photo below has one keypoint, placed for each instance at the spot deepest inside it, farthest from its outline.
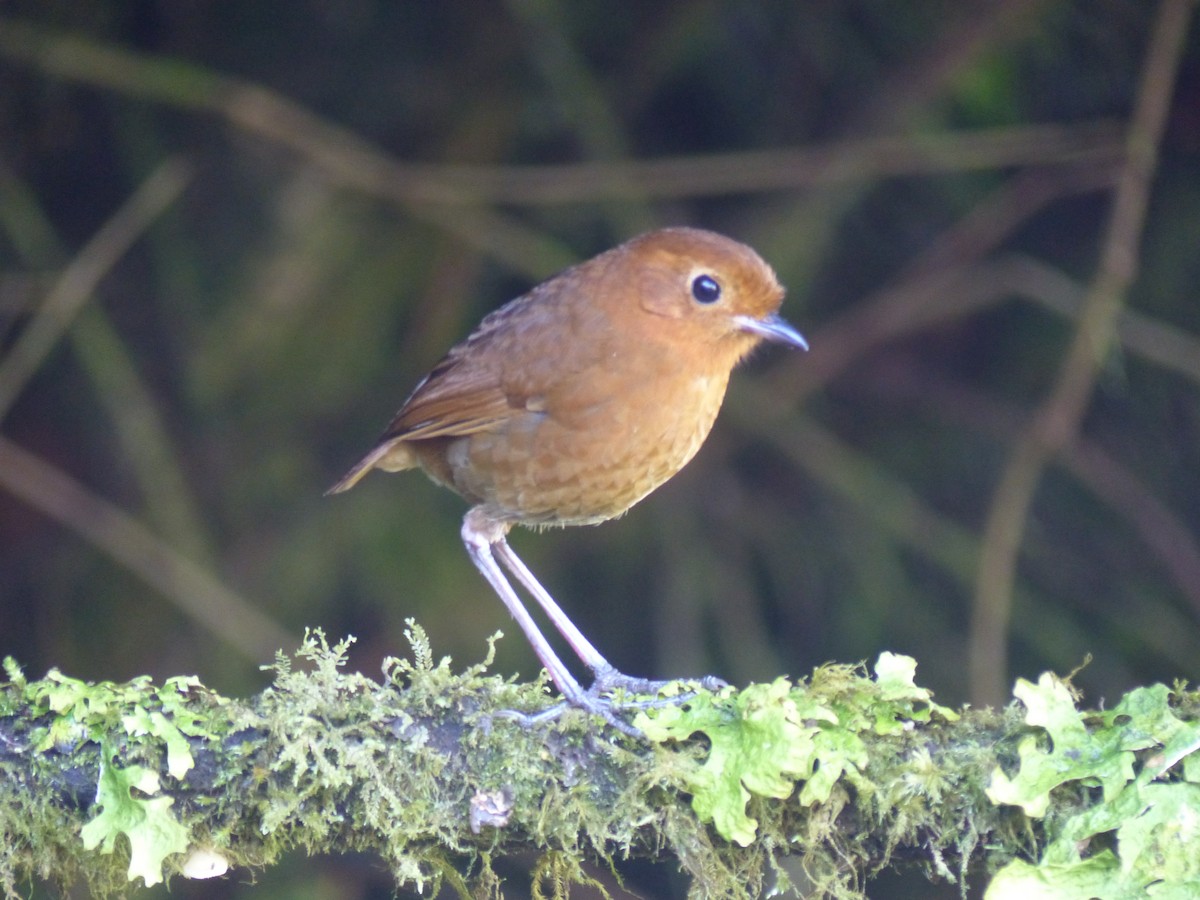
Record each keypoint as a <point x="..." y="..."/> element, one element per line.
<point x="592" y="700"/>
<point x="593" y="705"/>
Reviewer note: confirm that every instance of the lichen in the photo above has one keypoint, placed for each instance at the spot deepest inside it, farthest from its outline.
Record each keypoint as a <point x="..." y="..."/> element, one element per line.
<point x="804" y="741"/>
<point x="814" y="784"/>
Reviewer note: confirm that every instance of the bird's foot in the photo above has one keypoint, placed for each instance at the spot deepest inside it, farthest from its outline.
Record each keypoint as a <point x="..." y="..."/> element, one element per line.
<point x="598" y="706"/>
<point x="609" y="679"/>
<point x="593" y="700"/>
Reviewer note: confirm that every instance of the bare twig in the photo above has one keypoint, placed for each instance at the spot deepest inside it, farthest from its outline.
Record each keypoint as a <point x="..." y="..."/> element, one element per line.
<point x="950" y="280"/>
<point x="1164" y="533"/>
<point x="79" y="279"/>
<point x="348" y="160"/>
<point x="584" y="104"/>
<point x="355" y="162"/>
<point x="774" y="170"/>
<point x="195" y="592"/>
<point x="1151" y="339"/>
<point x="1056" y="422"/>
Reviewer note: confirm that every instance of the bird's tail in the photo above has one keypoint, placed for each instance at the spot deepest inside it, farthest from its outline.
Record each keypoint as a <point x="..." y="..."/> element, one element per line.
<point x="392" y="456"/>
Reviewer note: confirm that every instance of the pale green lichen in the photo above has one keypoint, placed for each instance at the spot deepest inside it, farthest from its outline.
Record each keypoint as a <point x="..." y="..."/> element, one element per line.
<point x="817" y="783"/>
<point x="778" y="739"/>
<point x="147" y="822"/>
<point x="1143" y="836"/>
<point x="119" y="736"/>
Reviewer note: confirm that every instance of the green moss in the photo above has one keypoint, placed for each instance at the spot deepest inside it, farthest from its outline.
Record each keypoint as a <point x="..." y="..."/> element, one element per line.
<point x="818" y="783"/>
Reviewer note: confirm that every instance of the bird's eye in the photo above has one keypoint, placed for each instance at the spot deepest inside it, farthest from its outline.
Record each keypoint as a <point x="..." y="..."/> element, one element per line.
<point x="706" y="289"/>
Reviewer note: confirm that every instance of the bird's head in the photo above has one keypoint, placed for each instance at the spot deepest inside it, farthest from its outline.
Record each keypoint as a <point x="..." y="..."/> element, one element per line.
<point x="701" y="288"/>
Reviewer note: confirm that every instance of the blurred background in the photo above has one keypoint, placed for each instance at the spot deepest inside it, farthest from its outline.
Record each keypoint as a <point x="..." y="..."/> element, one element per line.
<point x="233" y="236"/>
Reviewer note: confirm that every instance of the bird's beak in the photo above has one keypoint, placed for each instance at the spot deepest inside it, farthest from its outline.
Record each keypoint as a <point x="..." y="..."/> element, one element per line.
<point x="772" y="328"/>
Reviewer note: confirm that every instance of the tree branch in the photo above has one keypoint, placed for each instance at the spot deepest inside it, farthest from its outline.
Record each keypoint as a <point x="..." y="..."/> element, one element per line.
<point x="844" y="774"/>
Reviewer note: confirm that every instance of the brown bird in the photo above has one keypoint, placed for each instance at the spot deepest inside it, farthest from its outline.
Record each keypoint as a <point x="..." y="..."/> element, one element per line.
<point x="571" y="403"/>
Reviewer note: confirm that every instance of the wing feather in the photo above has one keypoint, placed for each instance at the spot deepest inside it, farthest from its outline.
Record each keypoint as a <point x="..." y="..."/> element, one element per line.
<point x="454" y="400"/>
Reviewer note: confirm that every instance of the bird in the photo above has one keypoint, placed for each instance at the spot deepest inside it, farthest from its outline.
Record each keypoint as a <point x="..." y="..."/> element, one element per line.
<point x="569" y="404"/>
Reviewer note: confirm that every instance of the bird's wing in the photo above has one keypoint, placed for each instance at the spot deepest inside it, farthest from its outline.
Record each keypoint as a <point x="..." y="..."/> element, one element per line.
<point x="453" y="400"/>
<point x="514" y="360"/>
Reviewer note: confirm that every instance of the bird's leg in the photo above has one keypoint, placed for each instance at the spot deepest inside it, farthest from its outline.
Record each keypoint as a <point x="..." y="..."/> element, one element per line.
<point x="482" y="536"/>
<point x="606" y="676"/>
<point x="583" y="648"/>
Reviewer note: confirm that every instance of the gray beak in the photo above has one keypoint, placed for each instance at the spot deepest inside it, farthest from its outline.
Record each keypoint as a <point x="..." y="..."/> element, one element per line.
<point x="772" y="328"/>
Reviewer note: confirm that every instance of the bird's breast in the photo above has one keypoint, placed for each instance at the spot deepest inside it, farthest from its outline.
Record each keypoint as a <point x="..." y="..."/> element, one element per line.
<point x="581" y="457"/>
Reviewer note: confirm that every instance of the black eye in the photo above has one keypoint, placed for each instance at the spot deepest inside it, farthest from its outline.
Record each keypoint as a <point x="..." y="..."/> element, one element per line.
<point x="705" y="289"/>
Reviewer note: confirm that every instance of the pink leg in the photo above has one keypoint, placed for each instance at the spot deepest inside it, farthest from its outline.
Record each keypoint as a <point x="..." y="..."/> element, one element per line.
<point x="481" y="536"/>
<point x="607" y="677"/>
<point x="583" y="648"/>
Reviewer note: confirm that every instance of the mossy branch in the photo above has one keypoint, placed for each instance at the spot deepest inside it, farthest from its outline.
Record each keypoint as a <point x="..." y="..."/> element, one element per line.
<point x="827" y="781"/>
